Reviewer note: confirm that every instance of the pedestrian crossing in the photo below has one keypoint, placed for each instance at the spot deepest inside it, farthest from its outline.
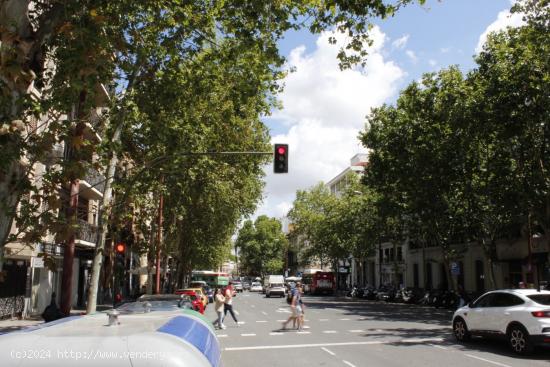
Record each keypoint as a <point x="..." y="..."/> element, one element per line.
<point x="308" y="331"/>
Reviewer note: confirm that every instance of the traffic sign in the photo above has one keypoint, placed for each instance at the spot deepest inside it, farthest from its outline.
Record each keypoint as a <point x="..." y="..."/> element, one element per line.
<point x="455" y="268"/>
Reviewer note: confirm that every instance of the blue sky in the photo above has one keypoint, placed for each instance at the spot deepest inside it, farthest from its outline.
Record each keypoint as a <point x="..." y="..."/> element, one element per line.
<point x="325" y="108"/>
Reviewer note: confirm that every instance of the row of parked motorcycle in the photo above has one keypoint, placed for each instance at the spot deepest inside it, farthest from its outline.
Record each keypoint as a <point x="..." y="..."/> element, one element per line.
<point x="437" y="298"/>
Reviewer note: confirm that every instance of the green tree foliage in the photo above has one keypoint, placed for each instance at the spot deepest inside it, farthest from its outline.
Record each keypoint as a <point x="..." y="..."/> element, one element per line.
<point x="463" y="159"/>
<point x="333" y="227"/>
<point x="67" y="49"/>
<point x="261" y="245"/>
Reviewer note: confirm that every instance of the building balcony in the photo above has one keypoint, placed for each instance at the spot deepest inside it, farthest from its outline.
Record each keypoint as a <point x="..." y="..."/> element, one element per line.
<point x="86" y="234"/>
<point x="92" y="185"/>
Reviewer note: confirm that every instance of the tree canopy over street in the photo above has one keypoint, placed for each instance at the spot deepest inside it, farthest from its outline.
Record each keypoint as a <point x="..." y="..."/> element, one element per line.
<point x="261" y="245"/>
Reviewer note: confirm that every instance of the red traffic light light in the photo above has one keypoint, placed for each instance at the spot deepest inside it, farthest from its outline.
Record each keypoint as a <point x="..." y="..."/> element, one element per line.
<point x="120" y="248"/>
<point x="280" y="158"/>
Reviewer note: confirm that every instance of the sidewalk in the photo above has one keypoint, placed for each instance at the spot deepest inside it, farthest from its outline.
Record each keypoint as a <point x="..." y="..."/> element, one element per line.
<point x="7" y="326"/>
<point x="10" y="325"/>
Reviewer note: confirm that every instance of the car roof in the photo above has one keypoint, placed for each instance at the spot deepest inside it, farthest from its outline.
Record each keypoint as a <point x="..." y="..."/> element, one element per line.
<point x="160" y="297"/>
<point x="522" y="292"/>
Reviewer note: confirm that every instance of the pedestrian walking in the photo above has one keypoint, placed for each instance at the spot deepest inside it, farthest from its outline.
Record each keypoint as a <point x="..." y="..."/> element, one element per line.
<point x="296" y="307"/>
<point x="228" y="306"/>
<point x="219" y="303"/>
<point x="301" y="308"/>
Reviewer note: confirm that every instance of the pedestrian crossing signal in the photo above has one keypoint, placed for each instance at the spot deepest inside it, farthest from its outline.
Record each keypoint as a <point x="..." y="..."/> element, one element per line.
<point x="280" y="158"/>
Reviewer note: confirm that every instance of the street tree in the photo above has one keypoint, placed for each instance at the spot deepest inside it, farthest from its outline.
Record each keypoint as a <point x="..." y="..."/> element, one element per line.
<point x="261" y="246"/>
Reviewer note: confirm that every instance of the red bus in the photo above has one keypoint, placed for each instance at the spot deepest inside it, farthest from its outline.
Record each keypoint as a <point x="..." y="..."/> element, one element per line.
<point x="323" y="282"/>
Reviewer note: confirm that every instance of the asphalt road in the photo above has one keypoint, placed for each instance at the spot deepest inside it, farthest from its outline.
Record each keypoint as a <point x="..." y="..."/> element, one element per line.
<point x="342" y="332"/>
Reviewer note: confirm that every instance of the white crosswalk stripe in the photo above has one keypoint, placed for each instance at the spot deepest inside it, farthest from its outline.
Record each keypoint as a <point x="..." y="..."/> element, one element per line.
<point x="329" y="332"/>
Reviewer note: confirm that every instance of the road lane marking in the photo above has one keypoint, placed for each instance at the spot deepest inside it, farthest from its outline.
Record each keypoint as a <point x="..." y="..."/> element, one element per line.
<point x="252" y="306"/>
<point x="303" y="332"/>
<point x="222" y="336"/>
<point x="348" y="363"/>
<point x="261" y="321"/>
<point x="281" y="320"/>
<point x="323" y="319"/>
<point x="318" y="345"/>
<point x="356" y="331"/>
<point x="248" y="334"/>
<point x="265" y="313"/>
<point x="241" y="322"/>
<point x="328" y="351"/>
<point x="276" y="333"/>
<point x="236" y="312"/>
<point x="344" y="319"/>
<point x="329" y="331"/>
<point x="487" y="360"/>
<point x="439" y="346"/>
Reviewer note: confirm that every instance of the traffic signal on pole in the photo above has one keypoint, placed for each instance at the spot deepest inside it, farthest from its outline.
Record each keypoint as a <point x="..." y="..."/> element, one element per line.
<point x="120" y="255"/>
<point x="120" y="248"/>
<point x="280" y="158"/>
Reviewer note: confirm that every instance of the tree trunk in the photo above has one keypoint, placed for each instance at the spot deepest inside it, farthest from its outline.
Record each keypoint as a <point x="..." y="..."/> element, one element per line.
<point x="103" y="226"/>
<point x="105" y="210"/>
<point x="68" y="254"/>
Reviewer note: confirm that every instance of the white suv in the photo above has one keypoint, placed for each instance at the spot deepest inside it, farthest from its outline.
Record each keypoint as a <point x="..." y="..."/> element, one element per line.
<point x="522" y="316"/>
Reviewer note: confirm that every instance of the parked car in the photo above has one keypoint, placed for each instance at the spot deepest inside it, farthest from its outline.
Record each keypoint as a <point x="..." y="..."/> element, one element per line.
<point x="246" y="286"/>
<point x="521" y="316"/>
<point x="256" y="287"/>
<point x="195" y="299"/>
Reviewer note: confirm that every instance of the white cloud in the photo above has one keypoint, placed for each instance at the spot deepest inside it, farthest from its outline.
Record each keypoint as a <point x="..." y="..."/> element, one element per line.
<point x="324" y="110"/>
<point x="412" y="56"/>
<point x="401" y="42"/>
<point x="445" y="50"/>
<point x="432" y="62"/>
<point x="504" y="19"/>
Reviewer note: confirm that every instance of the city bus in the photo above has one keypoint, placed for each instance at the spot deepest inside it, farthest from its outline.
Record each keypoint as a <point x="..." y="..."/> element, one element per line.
<point x="318" y="282"/>
<point x="323" y="282"/>
<point x="212" y="278"/>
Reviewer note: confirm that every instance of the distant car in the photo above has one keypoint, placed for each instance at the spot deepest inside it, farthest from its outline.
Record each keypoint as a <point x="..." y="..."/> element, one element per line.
<point x="521" y="316"/>
<point x="209" y="292"/>
<point x="238" y="286"/>
<point x="275" y="289"/>
<point x="256" y="287"/>
<point x="199" y="292"/>
<point x="195" y="299"/>
<point x="246" y="286"/>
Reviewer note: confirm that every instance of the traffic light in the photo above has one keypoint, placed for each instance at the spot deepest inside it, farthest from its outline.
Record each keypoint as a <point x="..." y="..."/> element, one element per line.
<point x="280" y="158"/>
<point x="120" y="255"/>
<point x="120" y="248"/>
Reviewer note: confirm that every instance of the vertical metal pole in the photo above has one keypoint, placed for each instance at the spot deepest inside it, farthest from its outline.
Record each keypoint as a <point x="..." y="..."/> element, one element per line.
<point x="159" y="239"/>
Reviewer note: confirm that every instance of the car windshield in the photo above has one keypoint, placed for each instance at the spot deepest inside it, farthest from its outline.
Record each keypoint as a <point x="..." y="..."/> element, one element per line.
<point x="255" y="284"/>
<point x="541" y="299"/>
<point x="276" y="285"/>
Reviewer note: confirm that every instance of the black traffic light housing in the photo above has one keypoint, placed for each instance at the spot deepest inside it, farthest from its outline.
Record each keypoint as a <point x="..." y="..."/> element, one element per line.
<point x="280" y="158"/>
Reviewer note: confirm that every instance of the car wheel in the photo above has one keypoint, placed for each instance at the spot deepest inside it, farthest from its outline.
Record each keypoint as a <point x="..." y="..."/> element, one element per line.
<point x="460" y="330"/>
<point x="266" y="295"/>
<point x="518" y="339"/>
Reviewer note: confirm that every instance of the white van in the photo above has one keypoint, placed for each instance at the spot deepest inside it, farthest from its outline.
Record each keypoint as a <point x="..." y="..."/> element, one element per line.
<point x="275" y="286"/>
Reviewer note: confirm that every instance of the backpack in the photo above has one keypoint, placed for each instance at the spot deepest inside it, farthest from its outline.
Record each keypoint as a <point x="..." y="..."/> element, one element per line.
<point x="289" y="297"/>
